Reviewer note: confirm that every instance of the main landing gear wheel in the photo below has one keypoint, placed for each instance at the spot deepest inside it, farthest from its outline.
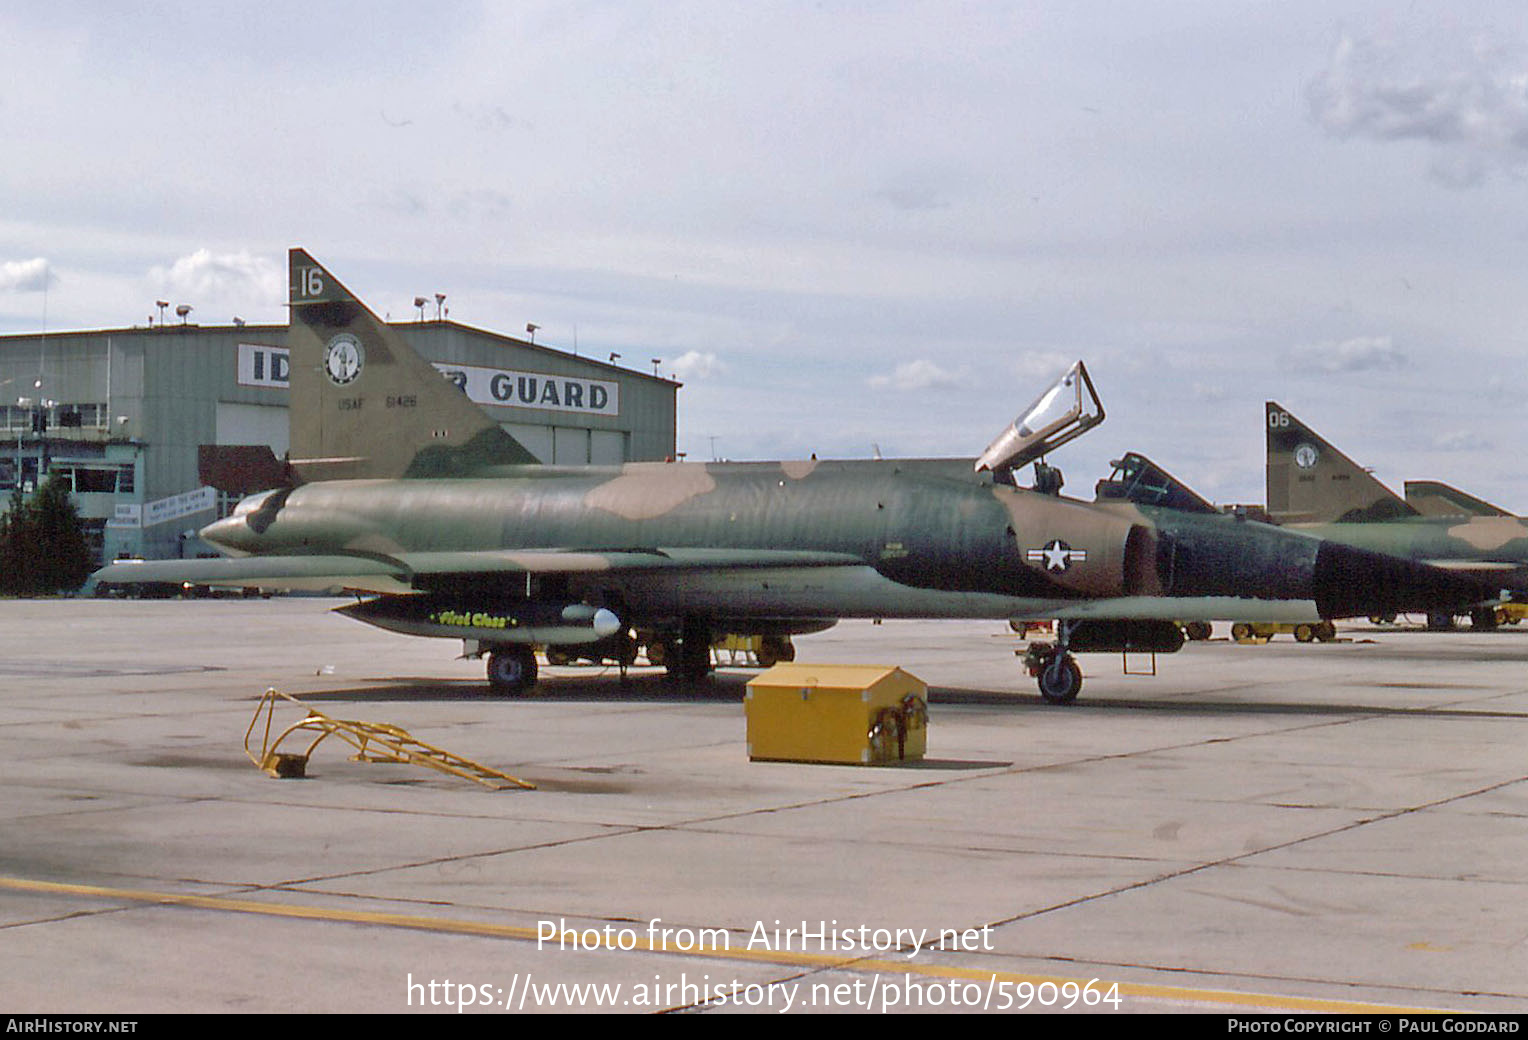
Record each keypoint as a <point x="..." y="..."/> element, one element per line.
<point x="774" y="649"/>
<point x="512" y="670"/>
<point x="1060" y="679"/>
<point x="692" y="663"/>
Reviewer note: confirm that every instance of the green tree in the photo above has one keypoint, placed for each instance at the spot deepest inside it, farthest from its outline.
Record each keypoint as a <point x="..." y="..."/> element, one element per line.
<point x="13" y="552"/>
<point x="42" y="544"/>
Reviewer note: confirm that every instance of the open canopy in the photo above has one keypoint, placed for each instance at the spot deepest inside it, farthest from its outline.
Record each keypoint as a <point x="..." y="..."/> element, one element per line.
<point x="1066" y="410"/>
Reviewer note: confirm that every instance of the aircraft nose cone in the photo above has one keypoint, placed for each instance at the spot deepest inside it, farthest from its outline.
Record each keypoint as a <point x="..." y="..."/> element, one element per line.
<point x="224" y="533"/>
<point x="1349" y="582"/>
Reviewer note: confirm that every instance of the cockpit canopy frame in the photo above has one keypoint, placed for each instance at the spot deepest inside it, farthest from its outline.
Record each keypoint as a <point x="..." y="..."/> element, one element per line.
<point x="1065" y="411"/>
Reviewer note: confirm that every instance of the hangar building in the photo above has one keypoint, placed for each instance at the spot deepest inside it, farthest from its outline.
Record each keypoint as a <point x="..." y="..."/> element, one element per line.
<point x="122" y="415"/>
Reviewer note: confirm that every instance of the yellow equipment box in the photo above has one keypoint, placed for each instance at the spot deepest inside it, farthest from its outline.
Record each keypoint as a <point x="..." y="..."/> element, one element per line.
<point x="854" y="714"/>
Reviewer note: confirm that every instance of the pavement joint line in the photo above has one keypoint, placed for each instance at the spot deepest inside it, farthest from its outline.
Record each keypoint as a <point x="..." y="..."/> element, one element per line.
<point x="781" y="957"/>
<point x="626" y="830"/>
<point x="1235" y="860"/>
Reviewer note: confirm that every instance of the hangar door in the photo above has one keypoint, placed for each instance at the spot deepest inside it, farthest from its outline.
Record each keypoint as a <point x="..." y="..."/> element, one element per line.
<point x="571" y="445"/>
<point x="254" y="424"/>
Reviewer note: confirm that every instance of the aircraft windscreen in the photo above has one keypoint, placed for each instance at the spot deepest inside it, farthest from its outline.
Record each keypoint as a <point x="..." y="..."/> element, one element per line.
<point x="1067" y="409"/>
<point x="250" y="503"/>
<point x="1137" y="479"/>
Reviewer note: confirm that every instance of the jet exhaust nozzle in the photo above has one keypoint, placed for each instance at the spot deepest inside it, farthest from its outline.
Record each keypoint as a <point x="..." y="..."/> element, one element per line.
<point x="561" y="624"/>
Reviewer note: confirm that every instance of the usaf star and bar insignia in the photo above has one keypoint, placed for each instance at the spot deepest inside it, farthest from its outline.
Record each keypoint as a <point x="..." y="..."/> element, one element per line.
<point x="1057" y="556"/>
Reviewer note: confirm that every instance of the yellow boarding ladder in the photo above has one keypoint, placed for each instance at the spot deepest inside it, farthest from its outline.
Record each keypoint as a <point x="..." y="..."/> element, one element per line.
<point x="373" y="741"/>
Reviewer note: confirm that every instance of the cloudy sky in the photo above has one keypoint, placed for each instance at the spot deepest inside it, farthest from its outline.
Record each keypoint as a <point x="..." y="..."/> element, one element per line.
<point x="840" y="224"/>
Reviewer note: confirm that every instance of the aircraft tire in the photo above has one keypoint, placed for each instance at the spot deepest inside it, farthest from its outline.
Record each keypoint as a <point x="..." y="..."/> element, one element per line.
<point x="1440" y="621"/>
<point x="512" y="670"/>
<point x="694" y="660"/>
<point x="694" y="663"/>
<point x="772" y="650"/>
<point x="1483" y="618"/>
<point x="1060" y="679"/>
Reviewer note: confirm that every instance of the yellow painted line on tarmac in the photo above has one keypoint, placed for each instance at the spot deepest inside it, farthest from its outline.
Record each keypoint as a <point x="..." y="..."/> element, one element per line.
<point x="482" y="929"/>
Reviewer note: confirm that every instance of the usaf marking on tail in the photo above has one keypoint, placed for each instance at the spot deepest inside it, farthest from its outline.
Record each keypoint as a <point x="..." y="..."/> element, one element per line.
<point x="459" y="532"/>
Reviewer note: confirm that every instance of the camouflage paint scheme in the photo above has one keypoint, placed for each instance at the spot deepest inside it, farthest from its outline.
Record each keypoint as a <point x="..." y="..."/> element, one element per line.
<point x="403" y="486"/>
<point x="1313" y="487"/>
<point x="1434" y="498"/>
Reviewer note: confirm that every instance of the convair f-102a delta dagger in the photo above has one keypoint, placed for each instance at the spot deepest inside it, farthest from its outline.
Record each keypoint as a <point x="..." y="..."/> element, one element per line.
<point x="1314" y="488"/>
<point x="401" y="487"/>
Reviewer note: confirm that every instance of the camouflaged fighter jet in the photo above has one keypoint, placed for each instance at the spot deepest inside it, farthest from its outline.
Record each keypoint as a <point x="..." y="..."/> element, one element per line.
<point x="405" y="489"/>
<point x="1315" y="488"/>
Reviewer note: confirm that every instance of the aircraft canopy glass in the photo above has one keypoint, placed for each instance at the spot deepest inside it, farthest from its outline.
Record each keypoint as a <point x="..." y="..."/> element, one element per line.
<point x="1068" y="409"/>
<point x="1137" y="479"/>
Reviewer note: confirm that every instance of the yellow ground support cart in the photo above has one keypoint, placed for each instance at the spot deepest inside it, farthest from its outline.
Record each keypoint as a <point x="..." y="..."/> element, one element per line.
<point x="1262" y="631"/>
<point x="853" y="714"/>
<point x="1511" y="613"/>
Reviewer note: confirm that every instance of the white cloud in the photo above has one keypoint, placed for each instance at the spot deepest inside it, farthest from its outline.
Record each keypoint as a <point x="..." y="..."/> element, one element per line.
<point x="914" y="192"/>
<point x="1462" y="440"/>
<point x="235" y="279"/>
<point x="696" y="364"/>
<point x="1474" y="103"/>
<point x="26" y="275"/>
<point x="921" y="375"/>
<point x="1041" y="367"/>
<point x="1360" y="354"/>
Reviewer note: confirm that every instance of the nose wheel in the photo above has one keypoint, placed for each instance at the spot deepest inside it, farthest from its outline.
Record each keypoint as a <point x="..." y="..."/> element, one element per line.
<point x="1059" y="677"/>
<point x="1054" y="667"/>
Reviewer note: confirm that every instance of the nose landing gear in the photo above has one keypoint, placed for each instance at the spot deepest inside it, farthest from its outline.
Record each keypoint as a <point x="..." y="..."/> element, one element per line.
<point x="1054" y="667"/>
<point x="1059" y="677"/>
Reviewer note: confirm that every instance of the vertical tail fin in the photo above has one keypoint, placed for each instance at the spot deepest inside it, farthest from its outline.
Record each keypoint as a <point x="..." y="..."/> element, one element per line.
<point x="364" y="404"/>
<point x="1311" y="481"/>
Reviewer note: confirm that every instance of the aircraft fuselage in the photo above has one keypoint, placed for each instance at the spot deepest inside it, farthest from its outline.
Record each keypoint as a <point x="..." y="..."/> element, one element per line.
<point x="913" y="538"/>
